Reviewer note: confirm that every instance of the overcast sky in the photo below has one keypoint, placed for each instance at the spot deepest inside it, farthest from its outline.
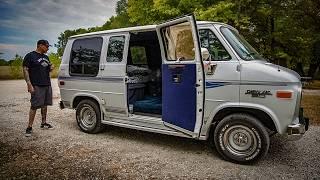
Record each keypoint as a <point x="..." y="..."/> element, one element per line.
<point x="23" y="22"/>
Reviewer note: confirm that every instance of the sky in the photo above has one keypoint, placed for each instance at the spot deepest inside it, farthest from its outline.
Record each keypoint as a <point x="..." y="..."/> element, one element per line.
<point x="24" y="22"/>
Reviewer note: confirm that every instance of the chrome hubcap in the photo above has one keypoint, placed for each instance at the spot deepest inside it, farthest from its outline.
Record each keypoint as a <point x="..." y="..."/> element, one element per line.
<point x="240" y="140"/>
<point x="87" y="117"/>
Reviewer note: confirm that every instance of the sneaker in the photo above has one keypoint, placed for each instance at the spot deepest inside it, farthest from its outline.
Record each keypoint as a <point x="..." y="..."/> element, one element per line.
<point x="28" y="131"/>
<point x="46" y="125"/>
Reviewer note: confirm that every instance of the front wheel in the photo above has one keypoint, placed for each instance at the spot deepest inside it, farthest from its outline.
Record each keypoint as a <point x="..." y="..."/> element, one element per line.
<point x="241" y="138"/>
<point x="88" y="116"/>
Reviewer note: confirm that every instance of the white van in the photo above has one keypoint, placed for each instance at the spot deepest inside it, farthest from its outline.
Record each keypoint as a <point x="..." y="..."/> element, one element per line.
<point x="182" y="78"/>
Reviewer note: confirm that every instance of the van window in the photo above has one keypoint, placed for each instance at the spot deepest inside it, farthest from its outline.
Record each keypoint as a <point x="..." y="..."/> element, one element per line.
<point x="211" y="42"/>
<point x="85" y="56"/>
<point x="115" y="49"/>
<point x="138" y="54"/>
<point x="178" y="41"/>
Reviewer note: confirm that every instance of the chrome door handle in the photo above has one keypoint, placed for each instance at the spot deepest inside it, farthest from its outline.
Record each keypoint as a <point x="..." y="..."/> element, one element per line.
<point x="102" y="66"/>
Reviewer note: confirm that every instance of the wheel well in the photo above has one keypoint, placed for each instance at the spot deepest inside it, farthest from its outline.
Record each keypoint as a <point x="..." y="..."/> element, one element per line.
<point x="263" y="117"/>
<point x="78" y="99"/>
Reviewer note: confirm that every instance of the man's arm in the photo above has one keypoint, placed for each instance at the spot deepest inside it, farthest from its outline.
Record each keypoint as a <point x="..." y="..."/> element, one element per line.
<point x="27" y="79"/>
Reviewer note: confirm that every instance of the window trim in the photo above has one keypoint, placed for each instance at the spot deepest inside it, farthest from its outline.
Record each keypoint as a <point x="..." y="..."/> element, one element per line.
<point x="123" y="51"/>
<point x="70" y="61"/>
<point x="226" y="49"/>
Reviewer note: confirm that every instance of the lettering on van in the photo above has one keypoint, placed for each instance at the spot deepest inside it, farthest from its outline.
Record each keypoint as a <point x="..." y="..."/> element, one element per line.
<point x="258" y="93"/>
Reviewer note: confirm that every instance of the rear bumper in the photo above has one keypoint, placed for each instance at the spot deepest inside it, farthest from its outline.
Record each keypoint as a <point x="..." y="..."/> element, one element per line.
<point x="296" y="131"/>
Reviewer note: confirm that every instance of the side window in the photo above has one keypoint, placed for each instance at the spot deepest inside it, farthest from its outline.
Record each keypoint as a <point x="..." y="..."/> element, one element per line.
<point x="85" y="57"/>
<point x="178" y="42"/>
<point x="138" y="54"/>
<point x="211" y="42"/>
<point x="115" y="49"/>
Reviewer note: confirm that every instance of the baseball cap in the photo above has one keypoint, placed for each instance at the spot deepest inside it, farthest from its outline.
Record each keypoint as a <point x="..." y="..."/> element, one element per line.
<point x="43" y="42"/>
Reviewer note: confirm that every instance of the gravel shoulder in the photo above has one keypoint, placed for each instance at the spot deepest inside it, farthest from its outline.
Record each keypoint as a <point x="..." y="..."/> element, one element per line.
<point x="117" y="153"/>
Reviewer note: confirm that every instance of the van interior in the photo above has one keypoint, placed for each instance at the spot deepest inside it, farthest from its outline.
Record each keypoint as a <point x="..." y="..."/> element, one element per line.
<point x="144" y="85"/>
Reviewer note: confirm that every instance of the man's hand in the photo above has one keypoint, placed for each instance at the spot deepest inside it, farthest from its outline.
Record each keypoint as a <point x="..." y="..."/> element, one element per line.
<point x="30" y="87"/>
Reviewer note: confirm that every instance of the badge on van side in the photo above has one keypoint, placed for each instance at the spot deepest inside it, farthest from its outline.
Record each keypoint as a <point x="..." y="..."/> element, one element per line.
<point x="258" y="93"/>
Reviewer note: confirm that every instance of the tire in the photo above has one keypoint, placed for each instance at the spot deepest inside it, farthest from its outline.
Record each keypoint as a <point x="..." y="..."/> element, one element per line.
<point x="89" y="117"/>
<point x="241" y="138"/>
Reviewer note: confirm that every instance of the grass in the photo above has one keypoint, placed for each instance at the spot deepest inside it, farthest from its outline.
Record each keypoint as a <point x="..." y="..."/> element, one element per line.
<point x="315" y="84"/>
<point x="311" y="105"/>
<point x="6" y="73"/>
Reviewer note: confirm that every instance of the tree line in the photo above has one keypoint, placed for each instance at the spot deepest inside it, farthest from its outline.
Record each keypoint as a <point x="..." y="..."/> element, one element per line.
<point x="287" y="32"/>
<point x="15" y="66"/>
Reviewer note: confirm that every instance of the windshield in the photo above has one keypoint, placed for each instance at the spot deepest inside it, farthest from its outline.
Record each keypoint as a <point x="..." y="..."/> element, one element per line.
<point x="240" y="45"/>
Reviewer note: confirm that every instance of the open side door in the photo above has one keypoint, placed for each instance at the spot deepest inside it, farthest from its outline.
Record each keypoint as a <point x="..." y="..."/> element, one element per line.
<point x="182" y="75"/>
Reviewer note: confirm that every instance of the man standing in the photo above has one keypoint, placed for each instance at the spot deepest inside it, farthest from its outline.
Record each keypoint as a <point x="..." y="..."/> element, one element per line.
<point x="36" y="71"/>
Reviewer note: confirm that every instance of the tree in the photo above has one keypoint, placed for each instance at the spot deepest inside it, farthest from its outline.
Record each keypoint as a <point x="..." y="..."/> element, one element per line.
<point x="284" y="31"/>
<point x="2" y="61"/>
<point x="16" y="67"/>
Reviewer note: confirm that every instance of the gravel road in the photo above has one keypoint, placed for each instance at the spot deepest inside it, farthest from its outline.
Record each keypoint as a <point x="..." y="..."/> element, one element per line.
<point x="117" y="153"/>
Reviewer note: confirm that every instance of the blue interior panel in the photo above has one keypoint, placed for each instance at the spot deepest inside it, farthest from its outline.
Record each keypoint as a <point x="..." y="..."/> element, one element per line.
<point x="179" y="95"/>
<point x="149" y="104"/>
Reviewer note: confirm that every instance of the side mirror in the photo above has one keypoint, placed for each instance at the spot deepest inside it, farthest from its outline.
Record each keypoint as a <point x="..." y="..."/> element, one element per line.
<point x="205" y="54"/>
<point x="210" y="68"/>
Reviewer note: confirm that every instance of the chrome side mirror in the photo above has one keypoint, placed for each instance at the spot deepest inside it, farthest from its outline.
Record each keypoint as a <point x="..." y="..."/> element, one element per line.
<point x="210" y="68"/>
<point x="205" y="54"/>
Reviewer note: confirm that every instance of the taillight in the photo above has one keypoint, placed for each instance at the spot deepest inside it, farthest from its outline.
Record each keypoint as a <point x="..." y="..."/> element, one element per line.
<point x="61" y="83"/>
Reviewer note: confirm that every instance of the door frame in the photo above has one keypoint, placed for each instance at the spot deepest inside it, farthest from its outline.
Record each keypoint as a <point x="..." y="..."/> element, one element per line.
<point x="114" y="72"/>
<point x="200" y="79"/>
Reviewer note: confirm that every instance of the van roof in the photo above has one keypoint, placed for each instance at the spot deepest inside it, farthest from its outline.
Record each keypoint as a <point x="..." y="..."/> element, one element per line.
<point x="137" y="29"/>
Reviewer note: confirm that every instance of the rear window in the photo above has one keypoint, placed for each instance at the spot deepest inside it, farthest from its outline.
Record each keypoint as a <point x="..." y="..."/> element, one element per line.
<point x="115" y="49"/>
<point x="85" y="56"/>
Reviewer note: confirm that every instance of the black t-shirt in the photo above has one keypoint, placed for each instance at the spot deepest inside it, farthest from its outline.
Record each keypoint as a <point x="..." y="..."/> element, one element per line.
<point x="39" y="68"/>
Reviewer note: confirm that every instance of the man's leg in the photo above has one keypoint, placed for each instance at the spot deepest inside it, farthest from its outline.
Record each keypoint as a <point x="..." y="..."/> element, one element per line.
<point x="44" y="123"/>
<point x="32" y="114"/>
<point x="44" y="114"/>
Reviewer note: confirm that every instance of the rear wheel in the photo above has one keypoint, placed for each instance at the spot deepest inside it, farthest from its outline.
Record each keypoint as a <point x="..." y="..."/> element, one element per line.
<point x="88" y="116"/>
<point x="241" y="138"/>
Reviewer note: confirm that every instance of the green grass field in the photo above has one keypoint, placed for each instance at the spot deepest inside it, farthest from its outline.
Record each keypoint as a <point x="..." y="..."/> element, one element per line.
<point x="311" y="106"/>
<point x="7" y="74"/>
<point x="315" y="84"/>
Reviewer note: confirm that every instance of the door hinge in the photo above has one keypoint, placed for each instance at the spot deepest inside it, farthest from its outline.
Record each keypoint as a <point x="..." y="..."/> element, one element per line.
<point x="238" y="67"/>
<point x="103" y="101"/>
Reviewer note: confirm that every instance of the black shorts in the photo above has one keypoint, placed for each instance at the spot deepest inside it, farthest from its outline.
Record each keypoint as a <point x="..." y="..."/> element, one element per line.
<point x="42" y="96"/>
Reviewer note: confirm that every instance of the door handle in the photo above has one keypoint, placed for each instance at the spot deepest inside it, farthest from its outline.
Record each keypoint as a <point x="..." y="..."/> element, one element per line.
<point x="126" y="79"/>
<point x="238" y="67"/>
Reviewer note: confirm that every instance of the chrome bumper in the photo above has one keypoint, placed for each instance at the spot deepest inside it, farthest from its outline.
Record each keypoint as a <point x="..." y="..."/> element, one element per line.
<point x="296" y="131"/>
